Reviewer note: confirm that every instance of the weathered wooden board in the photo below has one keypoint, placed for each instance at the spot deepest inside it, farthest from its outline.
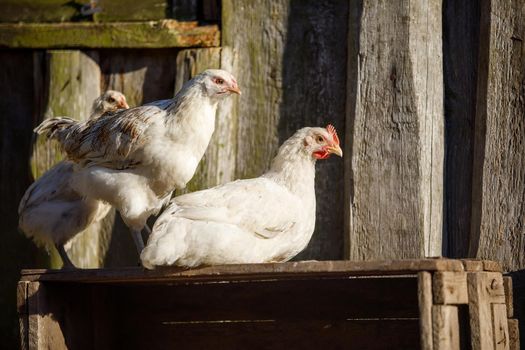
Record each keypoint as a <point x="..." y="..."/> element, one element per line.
<point x="301" y="270"/>
<point x="72" y="83"/>
<point x="123" y="10"/>
<point x="445" y="327"/>
<point x="484" y="290"/>
<point x="460" y="65"/>
<point x="151" y="34"/>
<point x="244" y="315"/>
<point x="499" y="159"/>
<point x="290" y="62"/>
<point x="18" y="108"/>
<point x="425" y="301"/>
<point x="450" y="288"/>
<point x="218" y="164"/>
<point x="39" y="11"/>
<point x="394" y="133"/>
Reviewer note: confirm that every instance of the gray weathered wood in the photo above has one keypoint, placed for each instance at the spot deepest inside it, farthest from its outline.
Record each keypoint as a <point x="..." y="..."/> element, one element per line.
<point x="394" y="132"/>
<point x="445" y="329"/>
<point x="500" y="326"/>
<point x="499" y="160"/>
<point x="509" y="299"/>
<point x="425" y="301"/>
<point x="73" y="82"/>
<point x="23" y="315"/>
<point x="299" y="269"/>
<point x="291" y="67"/>
<point x="460" y="65"/>
<point x="450" y="287"/>
<point x="485" y="289"/>
<point x="514" y="334"/>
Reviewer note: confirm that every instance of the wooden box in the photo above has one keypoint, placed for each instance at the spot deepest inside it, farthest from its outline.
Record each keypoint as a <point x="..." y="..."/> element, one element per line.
<point x="406" y="304"/>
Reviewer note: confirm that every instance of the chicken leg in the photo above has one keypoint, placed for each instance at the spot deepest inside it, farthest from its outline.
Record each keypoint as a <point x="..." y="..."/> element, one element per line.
<point x="137" y="238"/>
<point x="66" y="262"/>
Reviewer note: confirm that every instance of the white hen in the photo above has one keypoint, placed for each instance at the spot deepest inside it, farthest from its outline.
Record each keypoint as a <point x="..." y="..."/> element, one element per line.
<point x="267" y="219"/>
<point x="50" y="211"/>
<point x="134" y="159"/>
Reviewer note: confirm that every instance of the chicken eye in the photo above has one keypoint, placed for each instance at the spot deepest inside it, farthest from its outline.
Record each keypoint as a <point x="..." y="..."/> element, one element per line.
<point x="320" y="139"/>
<point x="219" y="81"/>
<point x="111" y="100"/>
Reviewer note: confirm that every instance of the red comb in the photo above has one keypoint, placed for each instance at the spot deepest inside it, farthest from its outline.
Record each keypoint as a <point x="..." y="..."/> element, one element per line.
<point x="333" y="132"/>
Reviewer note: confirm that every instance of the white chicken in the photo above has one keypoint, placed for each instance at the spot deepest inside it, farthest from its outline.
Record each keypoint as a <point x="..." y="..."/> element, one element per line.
<point x="134" y="159"/>
<point x="267" y="219"/>
<point x="50" y="211"/>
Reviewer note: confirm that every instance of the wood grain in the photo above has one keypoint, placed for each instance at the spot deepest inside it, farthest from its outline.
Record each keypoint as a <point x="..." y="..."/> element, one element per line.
<point x="484" y="289"/>
<point x="264" y="314"/>
<point x="122" y="10"/>
<point x="394" y="141"/>
<point x="445" y="327"/>
<point x="450" y="287"/>
<point x="302" y="269"/>
<point x="425" y="301"/>
<point x="501" y="330"/>
<point x="72" y="84"/>
<point x="514" y="334"/>
<point x="145" y="34"/>
<point x="499" y="158"/>
<point x="460" y="66"/>
<point x="290" y="61"/>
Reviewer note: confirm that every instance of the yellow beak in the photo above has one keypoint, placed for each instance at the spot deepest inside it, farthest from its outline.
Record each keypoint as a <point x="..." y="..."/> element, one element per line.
<point x="335" y="149"/>
<point x="235" y="89"/>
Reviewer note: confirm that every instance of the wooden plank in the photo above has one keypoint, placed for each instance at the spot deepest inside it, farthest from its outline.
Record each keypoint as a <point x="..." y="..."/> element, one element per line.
<point x="472" y="265"/>
<point x="514" y="334"/>
<point x="450" y="287"/>
<point x="499" y="156"/>
<point x="72" y="84"/>
<point x="494" y="266"/>
<point x="289" y="299"/>
<point x="424" y="292"/>
<point x="38" y="11"/>
<point x="218" y="164"/>
<point x="123" y="10"/>
<point x="394" y="136"/>
<point x="484" y="288"/>
<point x="23" y="316"/>
<point x="275" y="335"/>
<point x="18" y="108"/>
<point x="44" y="329"/>
<point x="288" y="82"/>
<point x="43" y="11"/>
<point x="500" y="327"/>
<point x="151" y="34"/>
<point x="250" y="271"/>
<point x="509" y="300"/>
<point x="445" y="327"/>
<point x="460" y="64"/>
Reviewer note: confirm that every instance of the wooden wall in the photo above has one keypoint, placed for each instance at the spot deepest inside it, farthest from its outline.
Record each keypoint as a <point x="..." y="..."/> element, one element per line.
<point x="427" y="96"/>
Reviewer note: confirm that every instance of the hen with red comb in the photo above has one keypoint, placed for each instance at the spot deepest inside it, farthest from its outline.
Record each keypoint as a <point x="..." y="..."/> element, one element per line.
<point x="266" y="219"/>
